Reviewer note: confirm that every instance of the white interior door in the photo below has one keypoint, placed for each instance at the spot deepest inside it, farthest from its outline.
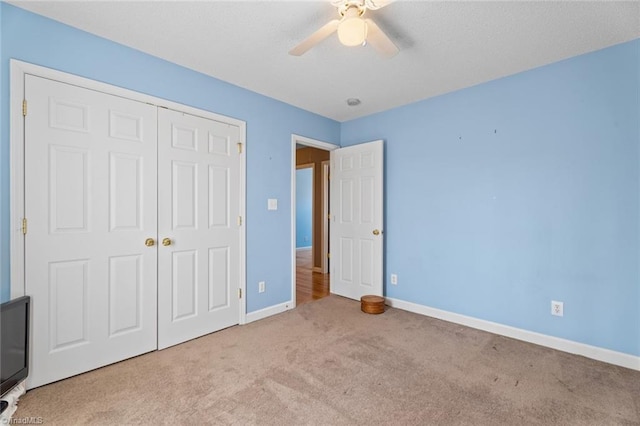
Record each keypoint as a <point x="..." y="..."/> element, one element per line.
<point x="357" y="217"/>
<point x="199" y="207"/>
<point x="90" y="201"/>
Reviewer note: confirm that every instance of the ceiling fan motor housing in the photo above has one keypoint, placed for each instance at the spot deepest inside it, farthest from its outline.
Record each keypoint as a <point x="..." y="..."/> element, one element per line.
<point x="352" y="30"/>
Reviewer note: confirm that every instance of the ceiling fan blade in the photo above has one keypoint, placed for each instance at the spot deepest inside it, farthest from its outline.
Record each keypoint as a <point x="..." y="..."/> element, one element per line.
<point x="376" y="4"/>
<point x="315" y="38"/>
<point x="369" y="4"/>
<point x="379" y="40"/>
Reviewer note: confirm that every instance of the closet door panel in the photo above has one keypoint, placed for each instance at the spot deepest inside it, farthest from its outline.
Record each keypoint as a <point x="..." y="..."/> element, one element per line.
<point x="90" y="202"/>
<point x="199" y="268"/>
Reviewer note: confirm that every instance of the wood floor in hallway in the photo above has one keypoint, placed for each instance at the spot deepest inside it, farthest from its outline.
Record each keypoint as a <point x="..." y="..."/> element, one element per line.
<point x="310" y="285"/>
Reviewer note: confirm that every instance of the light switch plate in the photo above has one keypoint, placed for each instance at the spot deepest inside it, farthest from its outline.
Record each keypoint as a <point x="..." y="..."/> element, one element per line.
<point x="272" y="204"/>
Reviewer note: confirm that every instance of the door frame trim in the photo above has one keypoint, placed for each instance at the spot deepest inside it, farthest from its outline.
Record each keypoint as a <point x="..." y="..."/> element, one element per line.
<point x="314" y="143"/>
<point x="18" y="70"/>
<point x="324" y="228"/>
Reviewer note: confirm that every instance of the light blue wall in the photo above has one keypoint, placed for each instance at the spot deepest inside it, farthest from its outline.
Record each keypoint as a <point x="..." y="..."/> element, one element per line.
<point x="270" y="123"/>
<point x="506" y="195"/>
<point x="500" y="197"/>
<point x="304" y="207"/>
<point x="4" y="177"/>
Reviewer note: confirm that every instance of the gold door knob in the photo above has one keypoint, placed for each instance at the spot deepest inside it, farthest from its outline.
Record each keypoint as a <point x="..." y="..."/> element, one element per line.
<point x="376" y="232"/>
<point x="166" y="242"/>
<point x="149" y="242"/>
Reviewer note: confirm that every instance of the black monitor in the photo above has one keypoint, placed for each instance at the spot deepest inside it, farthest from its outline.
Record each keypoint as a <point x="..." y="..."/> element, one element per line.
<point x="14" y="342"/>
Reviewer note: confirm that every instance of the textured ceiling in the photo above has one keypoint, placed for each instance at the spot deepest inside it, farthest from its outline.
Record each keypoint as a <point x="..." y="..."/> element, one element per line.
<point x="444" y="46"/>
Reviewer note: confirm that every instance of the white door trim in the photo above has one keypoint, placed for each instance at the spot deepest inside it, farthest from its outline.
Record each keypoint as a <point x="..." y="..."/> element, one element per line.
<point x="324" y="228"/>
<point x="18" y="70"/>
<point x="314" y="143"/>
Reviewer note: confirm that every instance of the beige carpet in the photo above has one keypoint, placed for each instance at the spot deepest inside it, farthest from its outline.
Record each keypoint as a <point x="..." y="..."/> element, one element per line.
<point x="328" y="363"/>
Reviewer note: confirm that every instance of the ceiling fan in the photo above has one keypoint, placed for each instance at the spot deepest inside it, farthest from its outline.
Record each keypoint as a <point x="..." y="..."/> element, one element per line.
<point x="352" y="28"/>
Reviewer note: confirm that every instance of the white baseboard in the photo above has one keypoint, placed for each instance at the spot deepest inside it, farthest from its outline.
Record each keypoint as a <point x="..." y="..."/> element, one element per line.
<point x="593" y="352"/>
<point x="304" y="248"/>
<point x="267" y="312"/>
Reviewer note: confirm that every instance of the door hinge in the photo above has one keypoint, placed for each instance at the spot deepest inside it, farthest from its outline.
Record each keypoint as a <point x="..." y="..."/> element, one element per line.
<point x="328" y="255"/>
<point x="24" y="107"/>
<point x="328" y="216"/>
<point x="24" y="226"/>
<point x="239" y="147"/>
<point x="239" y="220"/>
<point x="239" y="293"/>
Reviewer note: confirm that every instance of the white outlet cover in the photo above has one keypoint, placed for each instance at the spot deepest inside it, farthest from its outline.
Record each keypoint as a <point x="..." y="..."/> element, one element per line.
<point x="394" y="279"/>
<point x="557" y="308"/>
<point x="272" y="204"/>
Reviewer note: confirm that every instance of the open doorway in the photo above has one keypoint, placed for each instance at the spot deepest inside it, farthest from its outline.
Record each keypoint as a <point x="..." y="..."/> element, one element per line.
<point x="311" y="282"/>
<point x="310" y="219"/>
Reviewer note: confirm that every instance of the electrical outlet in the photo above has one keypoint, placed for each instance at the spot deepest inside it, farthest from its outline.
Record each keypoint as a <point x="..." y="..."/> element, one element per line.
<point x="394" y="279"/>
<point x="557" y="308"/>
<point x="261" y="287"/>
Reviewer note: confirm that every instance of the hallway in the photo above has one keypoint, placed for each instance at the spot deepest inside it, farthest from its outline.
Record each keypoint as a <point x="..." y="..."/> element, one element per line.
<point x="310" y="285"/>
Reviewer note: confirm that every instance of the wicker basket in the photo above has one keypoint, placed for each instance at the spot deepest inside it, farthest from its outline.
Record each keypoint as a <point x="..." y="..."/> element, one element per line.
<point x="372" y="304"/>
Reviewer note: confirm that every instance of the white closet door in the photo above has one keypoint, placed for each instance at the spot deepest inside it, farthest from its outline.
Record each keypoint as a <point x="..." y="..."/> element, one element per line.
<point x="357" y="212"/>
<point x="198" y="209"/>
<point x="90" y="200"/>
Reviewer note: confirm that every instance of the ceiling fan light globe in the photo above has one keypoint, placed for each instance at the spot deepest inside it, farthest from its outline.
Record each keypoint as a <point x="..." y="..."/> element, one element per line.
<point x="352" y="31"/>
